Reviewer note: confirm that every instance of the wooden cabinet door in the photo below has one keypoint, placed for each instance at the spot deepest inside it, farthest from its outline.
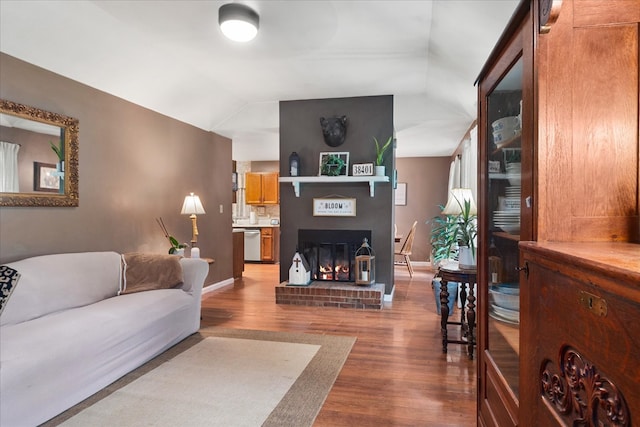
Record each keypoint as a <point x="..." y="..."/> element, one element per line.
<point x="253" y="188"/>
<point x="270" y="189"/>
<point x="262" y="188"/>
<point x="504" y="92"/>
<point x="266" y="244"/>
<point x="581" y="334"/>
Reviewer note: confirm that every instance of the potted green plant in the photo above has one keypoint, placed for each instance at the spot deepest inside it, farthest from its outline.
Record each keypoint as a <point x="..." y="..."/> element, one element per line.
<point x="332" y="165"/>
<point x="443" y="238"/>
<point x="443" y="241"/>
<point x="466" y="232"/>
<point x="380" y="151"/>
<point x="176" y="248"/>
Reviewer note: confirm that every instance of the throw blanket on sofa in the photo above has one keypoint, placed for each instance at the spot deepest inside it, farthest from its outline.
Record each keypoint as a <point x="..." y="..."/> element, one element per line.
<point x="145" y="272"/>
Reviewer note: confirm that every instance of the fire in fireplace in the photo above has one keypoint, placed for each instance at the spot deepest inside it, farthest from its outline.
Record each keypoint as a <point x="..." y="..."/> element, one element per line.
<point x="331" y="253"/>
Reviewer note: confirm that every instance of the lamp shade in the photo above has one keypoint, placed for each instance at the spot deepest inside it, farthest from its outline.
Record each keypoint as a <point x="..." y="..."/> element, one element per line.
<point x="238" y="22"/>
<point x="457" y="198"/>
<point x="192" y="205"/>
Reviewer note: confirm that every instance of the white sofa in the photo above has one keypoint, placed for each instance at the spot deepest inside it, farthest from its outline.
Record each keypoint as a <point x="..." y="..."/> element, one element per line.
<point x="66" y="332"/>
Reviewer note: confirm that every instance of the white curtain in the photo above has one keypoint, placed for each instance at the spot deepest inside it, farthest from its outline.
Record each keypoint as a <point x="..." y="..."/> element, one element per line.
<point x="469" y="163"/>
<point x="9" y="167"/>
<point x="454" y="174"/>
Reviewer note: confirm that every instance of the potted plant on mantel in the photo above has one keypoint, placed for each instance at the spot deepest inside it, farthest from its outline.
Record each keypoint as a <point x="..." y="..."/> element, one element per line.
<point x="380" y="150"/>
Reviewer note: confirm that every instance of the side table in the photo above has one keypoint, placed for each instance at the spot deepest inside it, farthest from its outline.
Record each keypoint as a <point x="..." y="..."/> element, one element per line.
<point x="451" y="273"/>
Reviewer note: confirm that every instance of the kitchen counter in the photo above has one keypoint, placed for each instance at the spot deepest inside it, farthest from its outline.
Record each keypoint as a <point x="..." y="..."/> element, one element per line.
<point x="258" y="225"/>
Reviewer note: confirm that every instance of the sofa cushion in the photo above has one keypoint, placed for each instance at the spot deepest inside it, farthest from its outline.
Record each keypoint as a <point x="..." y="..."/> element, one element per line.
<point x="8" y="282"/>
<point x="147" y="272"/>
<point x="83" y="278"/>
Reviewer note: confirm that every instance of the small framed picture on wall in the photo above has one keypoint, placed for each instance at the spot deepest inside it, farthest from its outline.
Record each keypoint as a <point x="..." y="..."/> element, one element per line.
<point x="401" y="194"/>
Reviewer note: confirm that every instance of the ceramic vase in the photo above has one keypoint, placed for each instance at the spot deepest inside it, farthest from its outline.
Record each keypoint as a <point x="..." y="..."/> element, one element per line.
<point x="466" y="258"/>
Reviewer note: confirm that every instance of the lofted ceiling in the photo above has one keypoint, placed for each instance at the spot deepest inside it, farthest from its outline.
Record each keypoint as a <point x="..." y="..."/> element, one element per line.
<point x="171" y="57"/>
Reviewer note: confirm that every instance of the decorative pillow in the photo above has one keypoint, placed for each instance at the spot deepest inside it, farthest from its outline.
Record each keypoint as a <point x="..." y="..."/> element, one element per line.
<point x="8" y="282"/>
<point x="146" y="272"/>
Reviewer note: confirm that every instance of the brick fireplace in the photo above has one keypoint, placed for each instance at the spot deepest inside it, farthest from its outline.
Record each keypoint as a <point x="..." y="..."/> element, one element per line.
<point x="331" y="258"/>
<point x="368" y="117"/>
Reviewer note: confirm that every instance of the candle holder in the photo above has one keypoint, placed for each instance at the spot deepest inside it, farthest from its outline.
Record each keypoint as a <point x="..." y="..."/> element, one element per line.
<point x="365" y="264"/>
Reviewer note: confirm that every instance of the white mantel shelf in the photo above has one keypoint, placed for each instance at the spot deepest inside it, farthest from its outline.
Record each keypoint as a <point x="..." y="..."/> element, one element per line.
<point x="296" y="180"/>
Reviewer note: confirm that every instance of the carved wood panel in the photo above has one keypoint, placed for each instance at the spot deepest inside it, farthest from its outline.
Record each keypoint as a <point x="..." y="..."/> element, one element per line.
<point x="581" y="394"/>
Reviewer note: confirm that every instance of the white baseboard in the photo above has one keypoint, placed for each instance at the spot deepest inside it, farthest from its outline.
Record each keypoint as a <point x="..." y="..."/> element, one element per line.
<point x="389" y="297"/>
<point x="215" y="286"/>
<point x="421" y="263"/>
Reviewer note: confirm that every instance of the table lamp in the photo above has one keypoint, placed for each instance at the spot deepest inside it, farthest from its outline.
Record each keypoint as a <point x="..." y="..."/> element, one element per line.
<point x="193" y="206"/>
<point x="457" y="198"/>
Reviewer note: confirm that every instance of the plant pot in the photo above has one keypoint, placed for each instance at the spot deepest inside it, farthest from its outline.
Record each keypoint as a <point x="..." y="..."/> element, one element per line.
<point x="380" y="171"/>
<point x="466" y="258"/>
<point x="452" y="287"/>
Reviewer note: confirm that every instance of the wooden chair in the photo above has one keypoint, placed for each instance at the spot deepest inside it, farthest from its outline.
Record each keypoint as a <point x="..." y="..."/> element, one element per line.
<point x="405" y="250"/>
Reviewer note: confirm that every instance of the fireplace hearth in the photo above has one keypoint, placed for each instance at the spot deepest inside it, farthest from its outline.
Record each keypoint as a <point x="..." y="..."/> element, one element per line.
<point x="331" y="253"/>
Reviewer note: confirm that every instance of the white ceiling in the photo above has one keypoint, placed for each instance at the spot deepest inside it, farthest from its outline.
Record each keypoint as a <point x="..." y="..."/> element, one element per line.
<point x="171" y="57"/>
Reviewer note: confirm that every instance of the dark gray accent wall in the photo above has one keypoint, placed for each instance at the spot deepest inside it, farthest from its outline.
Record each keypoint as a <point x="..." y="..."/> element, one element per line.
<point x="300" y="131"/>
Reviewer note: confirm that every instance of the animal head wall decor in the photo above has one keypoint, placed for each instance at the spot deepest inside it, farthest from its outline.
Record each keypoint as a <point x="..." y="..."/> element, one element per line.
<point x="334" y="130"/>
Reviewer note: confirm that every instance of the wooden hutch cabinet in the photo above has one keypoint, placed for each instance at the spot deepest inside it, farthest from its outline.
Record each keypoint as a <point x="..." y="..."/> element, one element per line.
<point x="262" y="188"/>
<point x="559" y="196"/>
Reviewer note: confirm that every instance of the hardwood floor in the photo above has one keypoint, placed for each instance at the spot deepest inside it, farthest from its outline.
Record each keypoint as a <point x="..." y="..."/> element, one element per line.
<point x="396" y="374"/>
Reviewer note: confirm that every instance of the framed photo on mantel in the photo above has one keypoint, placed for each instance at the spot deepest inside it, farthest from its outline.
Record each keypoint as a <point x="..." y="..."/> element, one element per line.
<point x="334" y="164"/>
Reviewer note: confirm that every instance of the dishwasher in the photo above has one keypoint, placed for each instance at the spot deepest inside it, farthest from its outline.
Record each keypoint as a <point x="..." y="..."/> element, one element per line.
<point x="252" y="244"/>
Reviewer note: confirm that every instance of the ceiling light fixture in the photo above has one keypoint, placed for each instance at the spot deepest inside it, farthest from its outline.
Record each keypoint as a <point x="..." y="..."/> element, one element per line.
<point x="238" y="22"/>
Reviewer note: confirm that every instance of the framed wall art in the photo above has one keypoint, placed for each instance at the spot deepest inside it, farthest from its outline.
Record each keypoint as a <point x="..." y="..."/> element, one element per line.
<point x="401" y="194"/>
<point x="333" y="164"/>
<point x="341" y="206"/>
<point x="45" y="177"/>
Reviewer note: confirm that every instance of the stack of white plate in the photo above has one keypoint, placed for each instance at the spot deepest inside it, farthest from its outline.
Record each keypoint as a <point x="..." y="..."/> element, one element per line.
<point x="508" y="216"/>
<point x="508" y="220"/>
<point x="505" y="302"/>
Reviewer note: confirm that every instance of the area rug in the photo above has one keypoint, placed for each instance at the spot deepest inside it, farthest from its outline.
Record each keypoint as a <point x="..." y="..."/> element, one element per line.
<point x="222" y="377"/>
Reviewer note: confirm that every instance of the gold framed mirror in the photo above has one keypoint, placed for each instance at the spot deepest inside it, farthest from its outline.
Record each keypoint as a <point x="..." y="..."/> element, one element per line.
<point x="39" y="157"/>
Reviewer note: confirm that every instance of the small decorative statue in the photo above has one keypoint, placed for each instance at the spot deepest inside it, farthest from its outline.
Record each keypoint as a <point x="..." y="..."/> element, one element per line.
<point x="334" y="130"/>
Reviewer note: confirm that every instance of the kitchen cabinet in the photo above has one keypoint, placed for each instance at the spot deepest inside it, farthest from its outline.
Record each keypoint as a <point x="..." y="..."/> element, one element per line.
<point x="558" y="162"/>
<point x="269" y="244"/>
<point x="262" y="188"/>
<point x="238" y="254"/>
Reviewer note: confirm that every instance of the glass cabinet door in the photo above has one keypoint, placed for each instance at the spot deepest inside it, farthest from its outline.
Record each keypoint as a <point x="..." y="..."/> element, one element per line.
<point x="503" y="199"/>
